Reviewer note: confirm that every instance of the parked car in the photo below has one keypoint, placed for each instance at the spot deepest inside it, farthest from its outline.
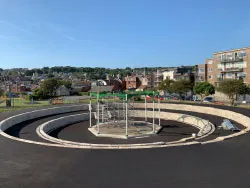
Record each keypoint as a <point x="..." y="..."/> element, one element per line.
<point x="156" y="98"/>
<point x="208" y="99"/>
<point x="195" y="98"/>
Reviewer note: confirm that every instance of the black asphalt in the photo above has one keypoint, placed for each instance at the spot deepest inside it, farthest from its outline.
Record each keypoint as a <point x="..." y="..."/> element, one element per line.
<point x="171" y="131"/>
<point x="223" y="165"/>
<point x="27" y="129"/>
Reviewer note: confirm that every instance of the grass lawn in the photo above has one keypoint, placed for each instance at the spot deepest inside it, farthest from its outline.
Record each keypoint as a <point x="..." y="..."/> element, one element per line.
<point x="19" y="103"/>
<point x="243" y="106"/>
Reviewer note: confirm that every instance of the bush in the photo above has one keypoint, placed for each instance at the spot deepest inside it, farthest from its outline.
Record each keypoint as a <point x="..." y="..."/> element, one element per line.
<point x="28" y="97"/>
<point x="137" y="98"/>
<point x="83" y="93"/>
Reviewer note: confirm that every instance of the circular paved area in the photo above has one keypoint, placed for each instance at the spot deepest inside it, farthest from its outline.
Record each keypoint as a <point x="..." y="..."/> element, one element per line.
<point x="172" y="131"/>
<point x="222" y="164"/>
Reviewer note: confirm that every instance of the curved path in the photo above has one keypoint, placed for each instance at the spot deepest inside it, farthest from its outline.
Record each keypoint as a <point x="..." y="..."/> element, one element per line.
<point x="222" y="164"/>
<point x="171" y="131"/>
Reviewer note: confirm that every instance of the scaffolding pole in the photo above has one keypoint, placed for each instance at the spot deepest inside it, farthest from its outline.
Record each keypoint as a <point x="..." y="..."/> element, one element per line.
<point x="98" y="114"/>
<point x="145" y="108"/>
<point x="90" y="113"/>
<point x="126" y="115"/>
<point x="159" y="111"/>
<point x="102" y="113"/>
<point x="153" y="113"/>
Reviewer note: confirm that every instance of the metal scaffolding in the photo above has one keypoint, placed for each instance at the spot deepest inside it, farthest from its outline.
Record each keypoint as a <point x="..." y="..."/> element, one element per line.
<point x="116" y="109"/>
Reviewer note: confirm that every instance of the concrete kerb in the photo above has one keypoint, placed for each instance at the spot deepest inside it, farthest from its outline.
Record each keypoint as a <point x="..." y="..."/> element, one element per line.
<point x="61" y="143"/>
<point x="190" y="120"/>
<point x="242" y="119"/>
<point x="45" y="128"/>
<point x="119" y="136"/>
<point x="7" y="123"/>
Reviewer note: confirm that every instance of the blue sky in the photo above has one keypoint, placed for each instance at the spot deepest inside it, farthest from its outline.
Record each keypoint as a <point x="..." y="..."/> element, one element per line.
<point x="119" y="33"/>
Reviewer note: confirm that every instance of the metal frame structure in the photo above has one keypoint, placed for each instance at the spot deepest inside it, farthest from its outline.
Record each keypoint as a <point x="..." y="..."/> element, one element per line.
<point x="116" y="108"/>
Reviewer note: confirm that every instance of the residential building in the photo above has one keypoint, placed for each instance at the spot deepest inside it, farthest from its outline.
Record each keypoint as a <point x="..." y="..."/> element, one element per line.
<point x="15" y="88"/>
<point x="169" y="75"/>
<point x="62" y="91"/>
<point x="179" y="73"/>
<point x="144" y="84"/>
<point x="103" y="88"/>
<point x="132" y="82"/>
<point x="80" y="86"/>
<point x="201" y="73"/>
<point x="154" y="78"/>
<point x="230" y="64"/>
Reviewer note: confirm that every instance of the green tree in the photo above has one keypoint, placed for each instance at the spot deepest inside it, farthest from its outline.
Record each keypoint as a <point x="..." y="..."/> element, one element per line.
<point x="233" y="88"/>
<point x="1" y="92"/>
<point x="181" y="87"/>
<point x="48" y="87"/>
<point x="50" y="75"/>
<point x="204" y="89"/>
<point x="165" y="85"/>
<point x="66" y="83"/>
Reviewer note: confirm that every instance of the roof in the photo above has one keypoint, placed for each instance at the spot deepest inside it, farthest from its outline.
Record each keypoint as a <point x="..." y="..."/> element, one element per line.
<point x="142" y="87"/>
<point x="130" y="78"/>
<point x="102" y="88"/>
<point x="232" y="50"/>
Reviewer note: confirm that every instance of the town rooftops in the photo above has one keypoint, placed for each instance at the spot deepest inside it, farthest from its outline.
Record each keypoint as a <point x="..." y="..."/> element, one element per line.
<point x="102" y="88"/>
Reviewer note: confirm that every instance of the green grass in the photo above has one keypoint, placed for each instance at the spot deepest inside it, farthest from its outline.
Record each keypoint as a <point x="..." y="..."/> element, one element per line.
<point x="243" y="106"/>
<point x="19" y="103"/>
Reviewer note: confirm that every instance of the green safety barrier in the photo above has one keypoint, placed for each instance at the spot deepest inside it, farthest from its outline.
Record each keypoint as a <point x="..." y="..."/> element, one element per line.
<point x="123" y="95"/>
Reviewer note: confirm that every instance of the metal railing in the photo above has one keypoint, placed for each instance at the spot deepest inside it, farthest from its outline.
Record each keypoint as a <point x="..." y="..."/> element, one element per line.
<point x="227" y="60"/>
<point x="231" y="69"/>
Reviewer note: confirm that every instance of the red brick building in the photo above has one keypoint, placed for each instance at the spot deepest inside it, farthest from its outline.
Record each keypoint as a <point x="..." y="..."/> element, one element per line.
<point x="132" y="82"/>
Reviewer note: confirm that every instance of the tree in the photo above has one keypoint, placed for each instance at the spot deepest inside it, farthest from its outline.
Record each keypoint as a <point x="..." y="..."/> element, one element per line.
<point x="1" y="92"/>
<point x="233" y="88"/>
<point x="181" y="87"/>
<point x="204" y="89"/>
<point x="50" y="75"/>
<point x="66" y="83"/>
<point x="48" y="87"/>
<point x="165" y="85"/>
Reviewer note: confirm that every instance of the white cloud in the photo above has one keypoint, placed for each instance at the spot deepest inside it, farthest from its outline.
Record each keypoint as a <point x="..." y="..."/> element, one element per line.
<point x="61" y="32"/>
<point x="17" y="27"/>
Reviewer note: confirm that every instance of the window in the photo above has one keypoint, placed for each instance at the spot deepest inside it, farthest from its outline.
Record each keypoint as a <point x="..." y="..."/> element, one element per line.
<point x="210" y="62"/>
<point x="240" y="64"/>
<point x="229" y="65"/>
<point x="229" y="56"/>
<point x="223" y="56"/>
<point x="242" y="54"/>
<point x="229" y="75"/>
<point x="210" y="69"/>
<point x="220" y="66"/>
<point x="242" y="74"/>
<point x="201" y="70"/>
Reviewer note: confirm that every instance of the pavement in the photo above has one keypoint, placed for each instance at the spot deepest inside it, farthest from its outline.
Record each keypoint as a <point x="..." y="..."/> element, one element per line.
<point x="224" y="165"/>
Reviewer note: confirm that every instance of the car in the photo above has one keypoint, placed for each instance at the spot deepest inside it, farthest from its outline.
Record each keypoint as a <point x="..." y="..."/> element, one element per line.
<point x="208" y="99"/>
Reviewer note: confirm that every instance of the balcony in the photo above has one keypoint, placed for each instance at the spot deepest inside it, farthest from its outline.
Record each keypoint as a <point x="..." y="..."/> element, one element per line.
<point x="233" y="77"/>
<point x="232" y="69"/>
<point x="220" y="78"/>
<point x="236" y="59"/>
